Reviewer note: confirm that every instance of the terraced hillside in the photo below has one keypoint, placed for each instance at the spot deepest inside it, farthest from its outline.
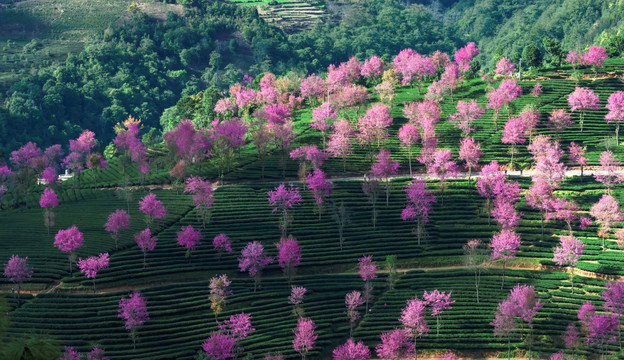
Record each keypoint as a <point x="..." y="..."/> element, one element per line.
<point x="41" y="33"/>
<point x="175" y="285"/>
<point x="290" y="15"/>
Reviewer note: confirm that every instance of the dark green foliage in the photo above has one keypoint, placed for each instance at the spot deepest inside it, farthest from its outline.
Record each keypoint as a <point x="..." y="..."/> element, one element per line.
<point x="532" y="56"/>
<point x="554" y="50"/>
<point x="615" y="45"/>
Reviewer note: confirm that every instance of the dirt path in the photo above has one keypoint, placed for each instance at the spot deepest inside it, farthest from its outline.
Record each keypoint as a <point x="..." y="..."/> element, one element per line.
<point x="519" y="266"/>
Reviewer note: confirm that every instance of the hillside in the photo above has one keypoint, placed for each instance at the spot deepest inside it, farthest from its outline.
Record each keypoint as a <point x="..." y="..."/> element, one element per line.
<point x="175" y="284"/>
<point x="149" y="60"/>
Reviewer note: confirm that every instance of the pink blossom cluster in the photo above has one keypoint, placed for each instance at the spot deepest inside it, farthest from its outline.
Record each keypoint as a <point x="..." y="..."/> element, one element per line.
<point x="92" y="265"/>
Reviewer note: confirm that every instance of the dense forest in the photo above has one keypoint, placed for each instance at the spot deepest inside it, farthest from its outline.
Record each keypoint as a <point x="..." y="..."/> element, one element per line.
<point x="148" y="66"/>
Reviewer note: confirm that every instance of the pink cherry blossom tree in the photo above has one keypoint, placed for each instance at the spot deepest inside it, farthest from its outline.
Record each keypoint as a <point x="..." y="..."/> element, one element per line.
<point x="68" y="241"/>
<point x="504" y="67"/>
<point x="219" y="346"/>
<point x="70" y="354"/>
<point x="92" y="265"/>
<point x="373" y="126"/>
<point x="467" y="113"/>
<point x="514" y="133"/>
<point x="17" y="270"/>
<point x="607" y="213"/>
<point x="600" y="331"/>
<point x="353" y="300"/>
<point x="464" y="55"/>
<point x="219" y="291"/>
<point x="283" y="199"/>
<point x="504" y="246"/>
<point x="372" y="67"/>
<point x="442" y="167"/>
<point x="530" y="115"/>
<point x="504" y="322"/>
<point x="413" y="67"/>
<point x="583" y="99"/>
<point x="133" y="310"/>
<point x="202" y="196"/>
<point x="96" y="354"/>
<point x="146" y="242"/>
<point x="253" y="260"/>
<point x="351" y="350"/>
<point x="189" y="238"/>
<point x="117" y="222"/>
<point x="563" y="209"/>
<point x="305" y="337"/>
<point x="420" y="204"/>
<point x="537" y="90"/>
<point x="322" y="117"/>
<point x="180" y="140"/>
<point x="152" y="208"/>
<point x="128" y="142"/>
<point x="613" y="295"/>
<point x="408" y="137"/>
<point x="395" y="344"/>
<point x="571" y="337"/>
<point x="522" y="303"/>
<point x="226" y="140"/>
<point x="577" y="156"/>
<point x="313" y="88"/>
<point x="438" y="301"/>
<point x="575" y="58"/>
<point x="568" y="254"/>
<point x="384" y="168"/>
<point x="615" y="105"/>
<point x="340" y="142"/>
<point x="559" y="120"/>
<point x="320" y="187"/>
<point x="222" y="243"/>
<point x="595" y="57"/>
<point x="610" y="175"/>
<point x="371" y="189"/>
<point x="48" y="201"/>
<point x="476" y="259"/>
<point x="296" y="299"/>
<point x="470" y="152"/>
<point x="367" y="270"/>
<point x="413" y="319"/>
<point x="501" y="97"/>
<point x="288" y="256"/>
<point x="309" y="156"/>
<point x="279" y="124"/>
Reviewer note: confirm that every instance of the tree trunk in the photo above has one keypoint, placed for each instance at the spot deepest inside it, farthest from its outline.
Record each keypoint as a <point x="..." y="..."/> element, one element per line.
<point x="418" y="229"/>
<point x="409" y="152"/>
<point x="503" y="282"/>
<point x="617" y="134"/>
<point x="324" y="142"/>
<point x="581" y="121"/>
<point x="512" y="154"/>
<point x="94" y="285"/>
<point x="438" y="325"/>
<point x="387" y="191"/>
<point x="469" y="173"/>
<point x="581" y="173"/>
